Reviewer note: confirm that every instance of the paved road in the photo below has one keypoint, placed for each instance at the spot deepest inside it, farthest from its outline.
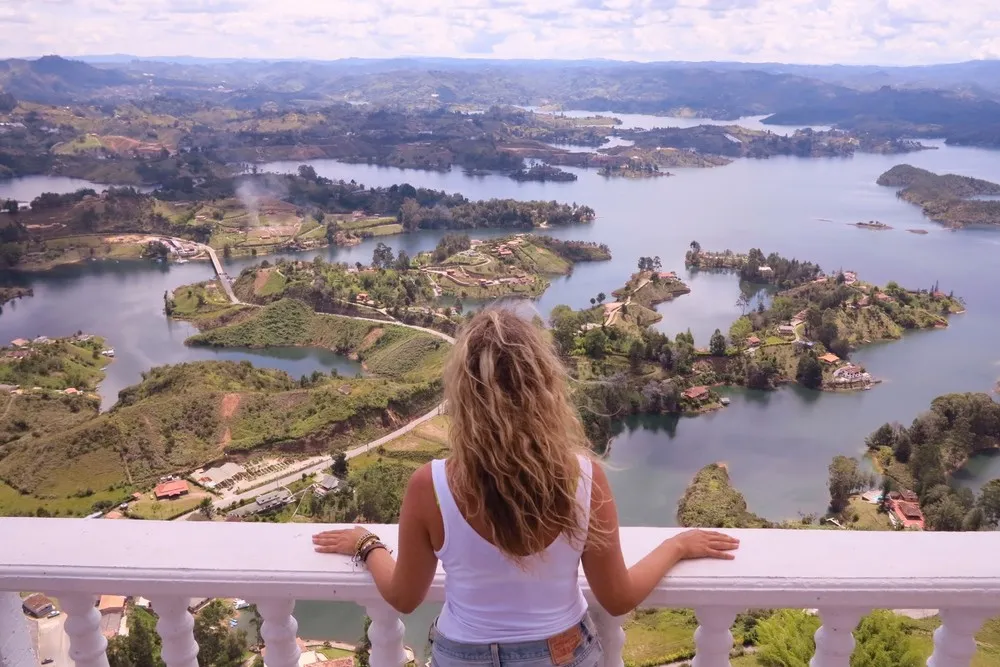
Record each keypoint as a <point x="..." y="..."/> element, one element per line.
<point x="223" y="278"/>
<point x="53" y="642"/>
<point x="322" y="463"/>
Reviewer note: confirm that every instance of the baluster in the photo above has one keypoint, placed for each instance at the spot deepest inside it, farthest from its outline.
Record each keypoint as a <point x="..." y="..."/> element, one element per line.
<point x="176" y="629"/>
<point x="278" y="632"/>
<point x="609" y="629"/>
<point x="955" y="641"/>
<point x="15" y="640"/>
<point x="87" y="646"/>
<point x="712" y="640"/>
<point x="834" y="639"/>
<point x="386" y="635"/>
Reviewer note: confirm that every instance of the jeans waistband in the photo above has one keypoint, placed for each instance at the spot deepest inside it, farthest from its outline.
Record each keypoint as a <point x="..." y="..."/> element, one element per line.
<point x="508" y="651"/>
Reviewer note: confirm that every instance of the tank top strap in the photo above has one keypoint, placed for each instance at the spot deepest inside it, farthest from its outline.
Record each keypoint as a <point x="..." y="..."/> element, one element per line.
<point x="584" y="487"/>
<point x="451" y="517"/>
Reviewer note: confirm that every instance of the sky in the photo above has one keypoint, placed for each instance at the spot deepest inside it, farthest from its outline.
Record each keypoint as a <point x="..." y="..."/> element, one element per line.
<point x="882" y="32"/>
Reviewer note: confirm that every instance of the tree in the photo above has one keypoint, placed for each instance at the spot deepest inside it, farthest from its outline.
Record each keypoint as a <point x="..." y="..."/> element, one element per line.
<point x="362" y="650"/>
<point x="884" y="436"/>
<point x="595" y="343"/>
<point x="340" y="466"/>
<point x="695" y="247"/>
<point x="601" y="296"/>
<point x="308" y="172"/>
<point x="787" y="638"/>
<point x="227" y="251"/>
<point x="989" y="502"/>
<point x="809" y="372"/>
<point x="846" y="479"/>
<point x="379" y="493"/>
<point x="218" y="646"/>
<point x="717" y="344"/>
<point x="402" y="261"/>
<point x="743" y="303"/>
<point x="382" y="256"/>
<point x="882" y="640"/>
<point x="10" y="206"/>
<point x="636" y="353"/>
<point x="206" y="508"/>
<point x="740" y="331"/>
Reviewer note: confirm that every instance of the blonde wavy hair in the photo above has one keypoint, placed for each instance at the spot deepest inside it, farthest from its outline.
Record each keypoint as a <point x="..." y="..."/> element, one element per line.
<point x="515" y="437"/>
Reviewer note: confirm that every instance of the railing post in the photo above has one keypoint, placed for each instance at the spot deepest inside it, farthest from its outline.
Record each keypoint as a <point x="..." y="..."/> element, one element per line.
<point x="278" y="632"/>
<point x="15" y="640"/>
<point x="955" y="640"/>
<point x="834" y="639"/>
<point x="609" y="629"/>
<point x="386" y="635"/>
<point x="712" y="640"/>
<point x="176" y="629"/>
<point x="87" y="646"/>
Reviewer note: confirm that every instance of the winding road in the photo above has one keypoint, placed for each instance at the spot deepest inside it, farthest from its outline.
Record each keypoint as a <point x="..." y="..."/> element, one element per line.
<point x="318" y="463"/>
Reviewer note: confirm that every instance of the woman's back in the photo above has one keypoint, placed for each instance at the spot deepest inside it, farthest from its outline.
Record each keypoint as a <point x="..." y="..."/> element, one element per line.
<point x="490" y="597"/>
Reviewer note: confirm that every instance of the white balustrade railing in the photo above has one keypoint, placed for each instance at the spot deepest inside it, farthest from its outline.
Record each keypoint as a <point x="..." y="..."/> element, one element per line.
<point x="842" y="574"/>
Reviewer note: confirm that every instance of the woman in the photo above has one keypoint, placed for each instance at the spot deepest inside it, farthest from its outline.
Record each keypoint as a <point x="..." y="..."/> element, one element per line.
<point x="511" y="514"/>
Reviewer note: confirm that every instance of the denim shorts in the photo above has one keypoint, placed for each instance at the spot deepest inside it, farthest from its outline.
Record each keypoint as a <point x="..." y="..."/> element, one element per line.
<point x="448" y="653"/>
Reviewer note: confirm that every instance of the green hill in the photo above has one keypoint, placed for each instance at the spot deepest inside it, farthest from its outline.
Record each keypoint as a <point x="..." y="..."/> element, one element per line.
<point x="385" y="349"/>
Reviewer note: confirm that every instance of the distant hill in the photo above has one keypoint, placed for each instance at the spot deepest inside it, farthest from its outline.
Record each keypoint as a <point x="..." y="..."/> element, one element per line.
<point x="53" y="79"/>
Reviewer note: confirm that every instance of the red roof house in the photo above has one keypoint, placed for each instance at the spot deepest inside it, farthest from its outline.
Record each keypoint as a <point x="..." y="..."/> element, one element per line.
<point x="696" y="393"/>
<point x="173" y="489"/>
<point x="908" y="513"/>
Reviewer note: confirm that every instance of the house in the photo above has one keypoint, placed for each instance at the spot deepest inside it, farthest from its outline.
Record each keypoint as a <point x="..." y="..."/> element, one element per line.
<point x="109" y="604"/>
<point x="20" y="342"/>
<point x="362" y="297"/>
<point x="272" y="499"/>
<point x="344" y="389"/>
<point x="114" y="514"/>
<point x="884" y="298"/>
<point x="753" y="341"/>
<point x="212" y="477"/>
<point x="37" y="605"/>
<point x="786" y="330"/>
<point x="587" y="326"/>
<point x="667" y="275"/>
<point x="849" y="373"/>
<point x="504" y="251"/>
<point x="41" y="340"/>
<point x="326" y="485"/>
<point x="696" y="393"/>
<point x="864" y="301"/>
<point x="72" y="391"/>
<point x="873" y="497"/>
<point x="850" y="277"/>
<point x="829" y="358"/>
<point x="908" y="513"/>
<point x="172" y="489"/>
<point x="765" y="270"/>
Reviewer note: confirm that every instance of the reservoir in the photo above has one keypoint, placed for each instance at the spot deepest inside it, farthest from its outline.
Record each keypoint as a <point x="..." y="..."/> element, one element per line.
<point x="777" y="444"/>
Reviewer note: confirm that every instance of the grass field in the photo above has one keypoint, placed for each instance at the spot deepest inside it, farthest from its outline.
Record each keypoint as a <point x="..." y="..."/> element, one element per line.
<point x="656" y="636"/>
<point x="365" y="223"/>
<point x="151" y="508"/>
<point x="13" y="503"/>
<point x="425" y="442"/>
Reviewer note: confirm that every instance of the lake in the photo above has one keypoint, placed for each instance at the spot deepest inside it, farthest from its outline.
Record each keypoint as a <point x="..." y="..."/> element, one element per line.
<point x="777" y="444"/>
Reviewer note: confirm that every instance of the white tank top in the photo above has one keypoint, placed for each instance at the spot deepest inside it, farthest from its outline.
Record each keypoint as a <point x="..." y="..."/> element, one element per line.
<point x="489" y="598"/>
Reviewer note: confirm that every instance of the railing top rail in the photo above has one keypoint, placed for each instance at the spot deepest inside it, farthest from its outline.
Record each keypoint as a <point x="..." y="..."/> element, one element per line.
<point x="773" y="568"/>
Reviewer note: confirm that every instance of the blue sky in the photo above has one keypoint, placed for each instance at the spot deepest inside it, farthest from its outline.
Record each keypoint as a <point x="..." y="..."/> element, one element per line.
<point x="795" y="31"/>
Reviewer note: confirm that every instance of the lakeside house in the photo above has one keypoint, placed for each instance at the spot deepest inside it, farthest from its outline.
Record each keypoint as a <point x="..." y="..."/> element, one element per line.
<point x="753" y="341"/>
<point x="696" y="393"/>
<point x="829" y="358"/>
<point x="905" y="507"/>
<point x="786" y="330"/>
<point x="851" y="374"/>
<point x="172" y="489"/>
<point x="667" y="275"/>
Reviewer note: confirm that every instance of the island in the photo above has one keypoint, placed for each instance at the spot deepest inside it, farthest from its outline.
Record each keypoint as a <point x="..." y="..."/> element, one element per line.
<point x="633" y="168"/>
<point x="239" y="217"/>
<point x="949" y="198"/>
<point x="873" y="225"/>
<point x="753" y="266"/>
<point x="543" y="173"/>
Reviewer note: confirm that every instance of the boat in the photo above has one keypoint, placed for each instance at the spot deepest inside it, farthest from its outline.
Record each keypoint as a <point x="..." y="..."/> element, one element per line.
<point x="724" y="400"/>
<point x="181" y="261"/>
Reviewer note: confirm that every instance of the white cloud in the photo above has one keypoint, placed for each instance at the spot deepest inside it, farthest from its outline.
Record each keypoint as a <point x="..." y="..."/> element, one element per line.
<point x="800" y="31"/>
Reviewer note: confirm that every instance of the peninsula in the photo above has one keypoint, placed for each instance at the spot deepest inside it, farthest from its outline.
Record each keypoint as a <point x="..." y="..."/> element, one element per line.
<point x="953" y="200"/>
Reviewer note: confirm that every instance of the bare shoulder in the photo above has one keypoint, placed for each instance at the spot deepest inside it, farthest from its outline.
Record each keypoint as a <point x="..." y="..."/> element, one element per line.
<point x="421" y="484"/>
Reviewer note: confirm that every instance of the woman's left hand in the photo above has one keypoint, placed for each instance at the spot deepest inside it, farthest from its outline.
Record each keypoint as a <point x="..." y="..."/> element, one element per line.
<point x="343" y="541"/>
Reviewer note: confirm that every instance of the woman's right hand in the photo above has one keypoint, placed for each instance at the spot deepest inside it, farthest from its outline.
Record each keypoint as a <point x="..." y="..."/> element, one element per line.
<point x="705" y="544"/>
